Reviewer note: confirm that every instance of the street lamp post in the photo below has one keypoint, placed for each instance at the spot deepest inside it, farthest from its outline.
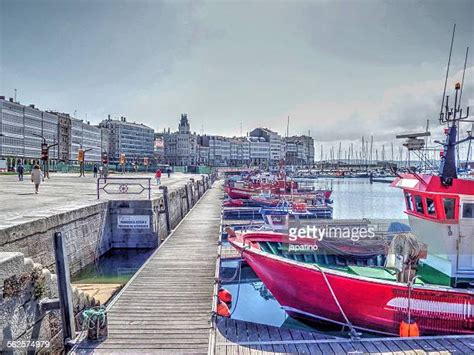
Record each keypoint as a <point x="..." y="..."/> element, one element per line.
<point x="81" y="155"/>
<point x="45" y="153"/>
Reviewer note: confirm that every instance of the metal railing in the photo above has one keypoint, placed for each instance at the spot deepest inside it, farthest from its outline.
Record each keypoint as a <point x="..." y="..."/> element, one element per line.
<point x="124" y="186"/>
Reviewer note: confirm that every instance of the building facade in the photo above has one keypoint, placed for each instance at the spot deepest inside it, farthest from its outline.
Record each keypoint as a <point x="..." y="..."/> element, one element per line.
<point x="64" y="136"/>
<point x="181" y="146"/>
<point x="23" y="129"/>
<point x="159" y="149"/>
<point x="275" y="143"/>
<point x="299" y="151"/>
<point x="262" y="147"/>
<point x="86" y="137"/>
<point x="135" y="140"/>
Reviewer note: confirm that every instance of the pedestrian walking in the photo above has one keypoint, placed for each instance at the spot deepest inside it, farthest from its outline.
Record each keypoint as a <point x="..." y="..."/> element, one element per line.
<point x="158" y="177"/>
<point x="168" y="171"/>
<point x="36" y="176"/>
<point x="101" y="171"/>
<point x="20" y="170"/>
<point x="95" y="170"/>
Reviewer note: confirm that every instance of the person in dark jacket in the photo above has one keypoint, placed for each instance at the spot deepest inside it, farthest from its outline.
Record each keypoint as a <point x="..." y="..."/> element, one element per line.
<point x="20" y="170"/>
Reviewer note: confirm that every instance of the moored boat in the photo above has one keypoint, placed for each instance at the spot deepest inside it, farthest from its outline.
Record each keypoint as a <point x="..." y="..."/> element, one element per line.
<point x="367" y="297"/>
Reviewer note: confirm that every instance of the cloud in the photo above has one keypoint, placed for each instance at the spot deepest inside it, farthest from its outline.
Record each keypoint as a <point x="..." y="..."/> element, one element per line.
<point x="401" y="109"/>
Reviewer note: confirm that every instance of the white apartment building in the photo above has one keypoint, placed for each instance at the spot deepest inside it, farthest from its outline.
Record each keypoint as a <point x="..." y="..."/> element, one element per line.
<point x="85" y="136"/>
<point x="275" y="141"/>
<point x="23" y="129"/>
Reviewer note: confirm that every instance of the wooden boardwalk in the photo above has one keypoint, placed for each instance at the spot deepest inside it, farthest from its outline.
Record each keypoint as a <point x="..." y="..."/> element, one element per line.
<point x="239" y="337"/>
<point x="166" y="307"/>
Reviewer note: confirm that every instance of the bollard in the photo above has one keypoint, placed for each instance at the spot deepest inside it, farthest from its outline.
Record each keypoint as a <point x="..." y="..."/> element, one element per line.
<point x="65" y="294"/>
<point x="192" y="191"/>
<point x="167" y="209"/>
<point x="187" y="195"/>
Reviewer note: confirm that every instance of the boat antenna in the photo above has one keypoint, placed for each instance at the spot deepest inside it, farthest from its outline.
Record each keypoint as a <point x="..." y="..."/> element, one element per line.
<point x="441" y="114"/>
<point x="462" y="81"/>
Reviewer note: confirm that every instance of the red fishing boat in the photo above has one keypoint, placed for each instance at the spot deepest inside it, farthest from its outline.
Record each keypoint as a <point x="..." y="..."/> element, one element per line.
<point x="433" y="289"/>
<point x="278" y="186"/>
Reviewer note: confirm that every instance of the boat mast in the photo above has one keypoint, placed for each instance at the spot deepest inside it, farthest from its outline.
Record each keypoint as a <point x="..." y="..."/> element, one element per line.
<point x="441" y="115"/>
<point x="448" y="167"/>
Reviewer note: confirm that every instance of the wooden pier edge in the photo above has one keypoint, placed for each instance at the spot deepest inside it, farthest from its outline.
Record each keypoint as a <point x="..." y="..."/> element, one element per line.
<point x="215" y="298"/>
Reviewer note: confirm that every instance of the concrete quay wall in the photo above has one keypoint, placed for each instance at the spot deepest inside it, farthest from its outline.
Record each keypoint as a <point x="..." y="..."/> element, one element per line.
<point x="91" y="231"/>
<point x="24" y="326"/>
<point x="82" y="230"/>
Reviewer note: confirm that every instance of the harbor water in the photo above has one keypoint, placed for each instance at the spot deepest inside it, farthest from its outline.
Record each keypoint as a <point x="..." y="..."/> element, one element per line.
<point x="117" y="266"/>
<point x="356" y="198"/>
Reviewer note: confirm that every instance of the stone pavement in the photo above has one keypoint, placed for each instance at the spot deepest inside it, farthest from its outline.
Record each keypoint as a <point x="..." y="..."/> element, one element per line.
<point x="62" y="193"/>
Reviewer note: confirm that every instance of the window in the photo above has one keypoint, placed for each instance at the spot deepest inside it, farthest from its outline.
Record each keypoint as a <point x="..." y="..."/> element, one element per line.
<point x="408" y="201"/>
<point x="419" y="204"/>
<point x="468" y="210"/>
<point x="449" y="204"/>
<point x="430" y="206"/>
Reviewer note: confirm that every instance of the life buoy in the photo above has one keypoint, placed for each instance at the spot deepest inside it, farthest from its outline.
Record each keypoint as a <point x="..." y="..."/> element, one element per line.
<point x="224" y="295"/>
<point x="223" y="309"/>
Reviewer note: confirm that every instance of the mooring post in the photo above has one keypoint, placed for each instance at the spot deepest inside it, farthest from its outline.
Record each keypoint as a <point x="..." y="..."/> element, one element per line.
<point x="192" y="191"/>
<point x="167" y="209"/>
<point x="187" y="195"/>
<point x="64" y="288"/>
<point x="196" y="183"/>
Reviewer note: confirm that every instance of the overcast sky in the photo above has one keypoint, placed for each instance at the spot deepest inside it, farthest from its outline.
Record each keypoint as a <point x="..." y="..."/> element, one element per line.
<point x="339" y="69"/>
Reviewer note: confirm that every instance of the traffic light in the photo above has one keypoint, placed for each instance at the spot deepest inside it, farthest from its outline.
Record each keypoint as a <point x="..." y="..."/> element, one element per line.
<point x="44" y="151"/>
<point x="80" y="155"/>
<point x="105" y="158"/>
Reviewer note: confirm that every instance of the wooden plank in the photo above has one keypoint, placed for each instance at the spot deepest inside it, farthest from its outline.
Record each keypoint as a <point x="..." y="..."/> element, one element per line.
<point x="369" y="347"/>
<point x="285" y="335"/>
<point x="393" y="347"/>
<point x="301" y="348"/>
<point x="468" y="341"/>
<point x="380" y="346"/>
<point x="264" y="336"/>
<point x="336" y="348"/>
<point x="460" y="346"/>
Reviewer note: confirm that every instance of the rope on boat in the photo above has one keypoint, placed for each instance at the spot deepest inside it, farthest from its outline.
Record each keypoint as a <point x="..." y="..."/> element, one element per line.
<point x="240" y="275"/>
<point x="238" y="284"/>
<point x="232" y="278"/>
<point x="353" y="333"/>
